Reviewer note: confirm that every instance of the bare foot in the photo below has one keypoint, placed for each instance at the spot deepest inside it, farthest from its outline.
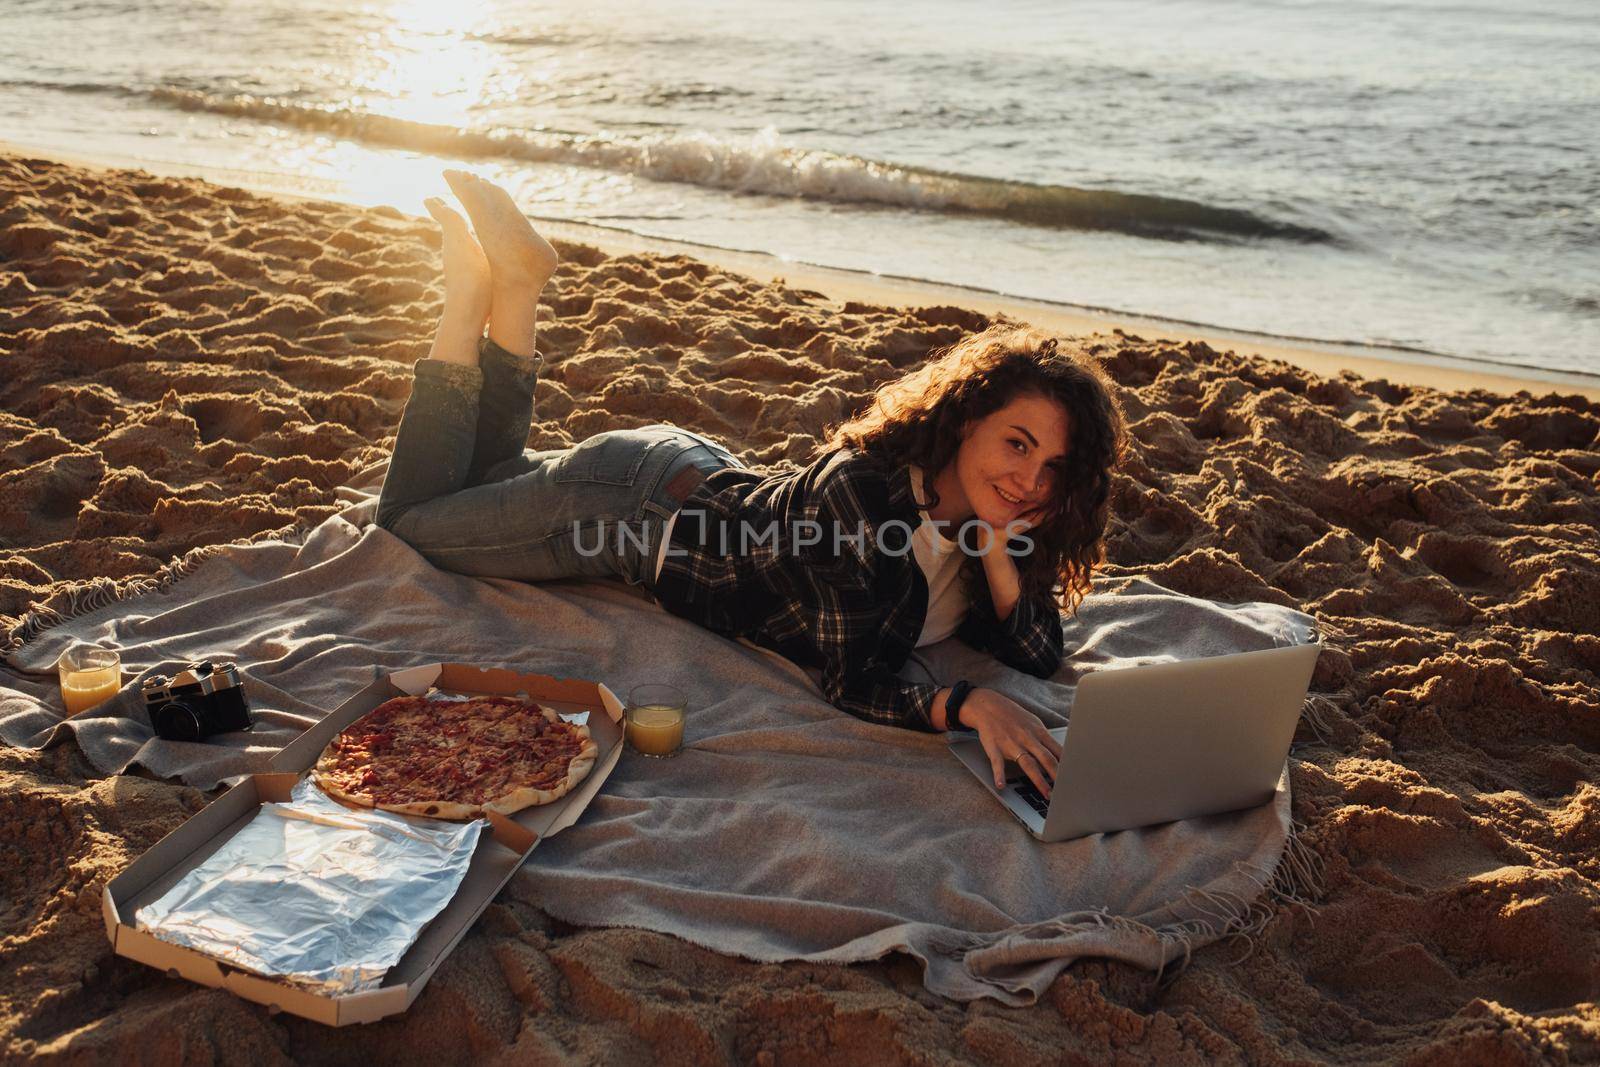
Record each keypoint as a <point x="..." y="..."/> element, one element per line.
<point x="518" y="256"/>
<point x="520" y="261"/>
<point x="467" y="277"/>
<point x="468" y="290"/>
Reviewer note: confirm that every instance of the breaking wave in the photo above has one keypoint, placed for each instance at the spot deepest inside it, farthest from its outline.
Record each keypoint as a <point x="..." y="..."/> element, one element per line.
<point x="766" y="166"/>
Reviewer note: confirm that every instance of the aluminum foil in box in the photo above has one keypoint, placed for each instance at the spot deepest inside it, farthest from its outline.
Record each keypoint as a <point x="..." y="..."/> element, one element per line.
<point x="315" y="893"/>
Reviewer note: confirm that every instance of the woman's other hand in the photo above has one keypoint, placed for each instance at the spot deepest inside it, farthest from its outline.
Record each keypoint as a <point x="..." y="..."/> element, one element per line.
<point x="1008" y="731"/>
<point x="992" y="540"/>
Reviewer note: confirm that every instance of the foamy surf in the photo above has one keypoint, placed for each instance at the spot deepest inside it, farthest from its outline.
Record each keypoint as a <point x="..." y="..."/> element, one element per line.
<point x="765" y="165"/>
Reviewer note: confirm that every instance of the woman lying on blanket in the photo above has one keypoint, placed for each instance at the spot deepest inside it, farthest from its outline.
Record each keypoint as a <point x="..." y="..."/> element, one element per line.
<point x="969" y="499"/>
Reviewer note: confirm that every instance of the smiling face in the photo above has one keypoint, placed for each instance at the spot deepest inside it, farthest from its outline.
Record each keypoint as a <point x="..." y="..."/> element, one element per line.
<point x="1010" y="462"/>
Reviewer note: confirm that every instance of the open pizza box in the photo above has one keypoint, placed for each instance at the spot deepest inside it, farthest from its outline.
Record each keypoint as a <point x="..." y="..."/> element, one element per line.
<point x="499" y="853"/>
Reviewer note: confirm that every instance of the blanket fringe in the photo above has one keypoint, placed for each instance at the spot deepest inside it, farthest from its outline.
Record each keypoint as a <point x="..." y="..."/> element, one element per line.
<point x="1315" y="715"/>
<point x="1297" y="882"/>
<point x="91" y="594"/>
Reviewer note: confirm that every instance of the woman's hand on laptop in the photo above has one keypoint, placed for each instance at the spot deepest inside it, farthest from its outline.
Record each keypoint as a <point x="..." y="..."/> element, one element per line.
<point x="1009" y="731"/>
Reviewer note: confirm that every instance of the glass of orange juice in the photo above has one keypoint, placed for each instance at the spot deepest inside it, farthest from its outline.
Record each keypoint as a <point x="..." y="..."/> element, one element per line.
<point x="653" y="719"/>
<point x="90" y="674"/>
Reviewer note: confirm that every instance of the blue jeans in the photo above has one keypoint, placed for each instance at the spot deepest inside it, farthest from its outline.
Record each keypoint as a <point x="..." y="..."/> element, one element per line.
<point x="464" y="492"/>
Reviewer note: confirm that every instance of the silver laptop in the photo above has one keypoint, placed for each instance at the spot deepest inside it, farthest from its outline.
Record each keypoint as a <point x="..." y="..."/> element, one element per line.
<point x="1166" y="741"/>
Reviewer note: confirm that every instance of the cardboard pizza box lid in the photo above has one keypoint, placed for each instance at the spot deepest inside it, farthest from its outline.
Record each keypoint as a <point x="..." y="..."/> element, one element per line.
<point x="498" y="856"/>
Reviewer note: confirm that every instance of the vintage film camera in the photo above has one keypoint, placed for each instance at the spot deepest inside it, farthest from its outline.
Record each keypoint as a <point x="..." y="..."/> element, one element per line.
<point x="200" y="700"/>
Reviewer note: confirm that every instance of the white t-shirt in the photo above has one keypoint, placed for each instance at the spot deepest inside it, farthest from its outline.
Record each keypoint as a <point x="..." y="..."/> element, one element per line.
<point x="940" y="558"/>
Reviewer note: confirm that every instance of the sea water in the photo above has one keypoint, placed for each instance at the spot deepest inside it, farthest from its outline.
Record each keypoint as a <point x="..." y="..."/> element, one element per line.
<point x="1420" y="174"/>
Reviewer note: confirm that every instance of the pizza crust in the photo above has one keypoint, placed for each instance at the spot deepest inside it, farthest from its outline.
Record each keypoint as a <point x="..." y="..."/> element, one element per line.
<point x="359" y="800"/>
<point x="434" y="809"/>
<point x="528" y="796"/>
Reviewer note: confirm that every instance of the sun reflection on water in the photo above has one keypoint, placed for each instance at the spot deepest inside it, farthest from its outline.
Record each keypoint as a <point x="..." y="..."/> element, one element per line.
<point x="432" y="63"/>
<point x="429" y="64"/>
<point x="440" y="68"/>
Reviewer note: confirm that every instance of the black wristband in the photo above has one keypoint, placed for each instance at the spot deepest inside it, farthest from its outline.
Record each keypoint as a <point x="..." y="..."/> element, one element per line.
<point x="952" y="706"/>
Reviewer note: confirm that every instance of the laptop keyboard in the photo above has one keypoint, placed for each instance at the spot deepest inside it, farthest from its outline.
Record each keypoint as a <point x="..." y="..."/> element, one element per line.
<point x="1030" y="793"/>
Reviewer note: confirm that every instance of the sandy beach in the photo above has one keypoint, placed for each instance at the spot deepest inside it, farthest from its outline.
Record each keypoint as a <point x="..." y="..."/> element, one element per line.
<point x="187" y="364"/>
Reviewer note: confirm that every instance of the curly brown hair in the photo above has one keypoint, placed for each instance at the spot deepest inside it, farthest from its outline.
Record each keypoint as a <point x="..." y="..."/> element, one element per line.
<point x="919" y="417"/>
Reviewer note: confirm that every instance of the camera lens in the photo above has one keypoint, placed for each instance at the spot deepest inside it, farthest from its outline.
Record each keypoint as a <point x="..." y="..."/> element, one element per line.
<point x="176" y="722"/>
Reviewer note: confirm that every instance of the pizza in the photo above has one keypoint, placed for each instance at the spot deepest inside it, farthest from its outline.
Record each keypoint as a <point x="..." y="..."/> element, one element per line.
<point x="456" y="759"/>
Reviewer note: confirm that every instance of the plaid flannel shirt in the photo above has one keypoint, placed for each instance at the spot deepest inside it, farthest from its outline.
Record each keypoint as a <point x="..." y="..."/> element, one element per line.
<point x="739" y="563"/>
